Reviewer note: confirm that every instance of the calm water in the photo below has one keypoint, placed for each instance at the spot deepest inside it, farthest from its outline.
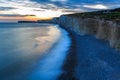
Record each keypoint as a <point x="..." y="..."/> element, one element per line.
<point x="32" y="51"/>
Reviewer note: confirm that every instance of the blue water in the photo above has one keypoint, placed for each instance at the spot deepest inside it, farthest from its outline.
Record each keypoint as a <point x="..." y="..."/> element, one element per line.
<point x="32" y="51"/>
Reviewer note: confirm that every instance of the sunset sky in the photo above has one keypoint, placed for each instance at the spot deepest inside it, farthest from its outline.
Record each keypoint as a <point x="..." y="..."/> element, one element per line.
<point x="14" y="10"/>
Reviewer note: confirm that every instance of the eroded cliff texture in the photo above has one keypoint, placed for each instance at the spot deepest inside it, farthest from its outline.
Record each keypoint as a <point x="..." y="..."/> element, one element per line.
<point x="100" y="28"/>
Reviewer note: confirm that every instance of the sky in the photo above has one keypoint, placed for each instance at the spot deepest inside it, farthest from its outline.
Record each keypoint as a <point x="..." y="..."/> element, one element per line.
<point x="14" y="10"/>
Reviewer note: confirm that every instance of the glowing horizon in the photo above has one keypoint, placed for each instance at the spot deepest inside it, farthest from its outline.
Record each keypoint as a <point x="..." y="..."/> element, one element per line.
<point x="18" y="18"/>
<point x="19" y="10"/>
<point x="14" y="10"/>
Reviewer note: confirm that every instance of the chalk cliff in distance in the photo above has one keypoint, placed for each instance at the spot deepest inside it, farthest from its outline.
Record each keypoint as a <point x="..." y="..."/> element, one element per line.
<point x="54" y="20"/>
<point x="102" y="24"/>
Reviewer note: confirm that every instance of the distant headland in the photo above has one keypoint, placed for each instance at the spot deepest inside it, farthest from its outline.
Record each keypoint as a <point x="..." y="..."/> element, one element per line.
<point x="53" y="20"/>
<point x="27" y="21"/>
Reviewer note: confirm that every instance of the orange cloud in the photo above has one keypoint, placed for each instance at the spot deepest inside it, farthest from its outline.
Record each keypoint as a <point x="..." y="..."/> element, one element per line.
<point x="17" y="18"/>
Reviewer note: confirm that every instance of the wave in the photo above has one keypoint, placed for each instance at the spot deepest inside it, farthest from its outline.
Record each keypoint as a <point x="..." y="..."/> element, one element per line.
<point x="50" y="67"/>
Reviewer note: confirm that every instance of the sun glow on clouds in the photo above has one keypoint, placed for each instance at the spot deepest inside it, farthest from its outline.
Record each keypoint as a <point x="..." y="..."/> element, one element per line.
<point x="23" y="7"/>
<point x="96" y="6"/>
<point x="16" y="18"/>
<point x="46" y="9"/>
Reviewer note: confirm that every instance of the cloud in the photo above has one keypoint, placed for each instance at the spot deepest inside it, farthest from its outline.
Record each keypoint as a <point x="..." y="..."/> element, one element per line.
<point x="10" y="15"/>
<point x="96" y="6"/>
<point x="58" y="0"/>
<point x="6" y="8"/>
<point x="47" y="8"/>
<point x="15" y="15"/>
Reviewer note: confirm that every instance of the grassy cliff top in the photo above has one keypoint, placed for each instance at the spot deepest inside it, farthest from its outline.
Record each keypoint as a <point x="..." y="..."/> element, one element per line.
<point x="104" y="14"/>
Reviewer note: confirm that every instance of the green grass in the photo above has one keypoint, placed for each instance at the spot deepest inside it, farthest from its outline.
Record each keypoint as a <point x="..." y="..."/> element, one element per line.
<point x="106" y="14"/>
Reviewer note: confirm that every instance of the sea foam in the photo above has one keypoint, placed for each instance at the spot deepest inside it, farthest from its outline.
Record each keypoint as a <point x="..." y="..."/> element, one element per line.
<point x="50" y="67"/>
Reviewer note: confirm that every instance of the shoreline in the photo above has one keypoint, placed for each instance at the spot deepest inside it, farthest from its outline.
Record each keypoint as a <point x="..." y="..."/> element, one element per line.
<point x="90" y="59"/>
<point x="71" y="60"/>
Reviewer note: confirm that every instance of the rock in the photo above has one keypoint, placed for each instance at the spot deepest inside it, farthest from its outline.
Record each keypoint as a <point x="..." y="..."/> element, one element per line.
<point x="103" y="29"/>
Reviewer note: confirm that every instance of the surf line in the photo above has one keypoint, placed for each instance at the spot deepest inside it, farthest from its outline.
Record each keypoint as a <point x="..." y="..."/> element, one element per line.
<point x="50" y="68"/>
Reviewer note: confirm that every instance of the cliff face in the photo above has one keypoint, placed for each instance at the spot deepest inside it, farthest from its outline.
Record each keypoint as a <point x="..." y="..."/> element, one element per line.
<point x="100" y="28"/>
<point x="54" y="20"/>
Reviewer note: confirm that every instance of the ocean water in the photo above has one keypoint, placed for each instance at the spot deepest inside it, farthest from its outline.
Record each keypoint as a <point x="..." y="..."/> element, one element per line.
<point x="32" y="51"/>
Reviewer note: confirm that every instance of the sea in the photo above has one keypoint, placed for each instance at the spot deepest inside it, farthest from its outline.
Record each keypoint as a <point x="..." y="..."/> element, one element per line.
<point x="32" y="51"/>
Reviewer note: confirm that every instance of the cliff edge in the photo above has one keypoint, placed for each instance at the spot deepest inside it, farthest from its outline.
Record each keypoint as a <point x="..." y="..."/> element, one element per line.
<point x="102" y="24"/>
